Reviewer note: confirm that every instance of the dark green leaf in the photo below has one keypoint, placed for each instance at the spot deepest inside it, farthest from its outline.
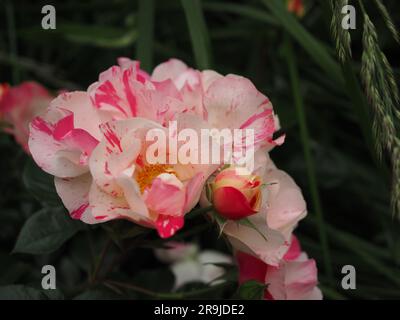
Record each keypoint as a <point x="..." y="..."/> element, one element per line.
<point x="158" y="280"/>
<point x="252" y="290"/>
<point x="40" y="184"/>
<point x="53" y="294"/>
<point x="20" y="292"/>
<point x="98" y="294"/>
<point x="46" y="231"/>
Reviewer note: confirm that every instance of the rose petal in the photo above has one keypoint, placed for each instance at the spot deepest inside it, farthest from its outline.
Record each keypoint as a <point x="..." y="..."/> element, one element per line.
<point x="74" y="193"/>
<point x="166" y="196"/>
<point x="167" y="226"/>
<point x="286" y="205"/>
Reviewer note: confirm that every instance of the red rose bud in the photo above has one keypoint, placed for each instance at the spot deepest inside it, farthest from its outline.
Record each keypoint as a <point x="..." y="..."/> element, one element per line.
<point x="236" y="193"/>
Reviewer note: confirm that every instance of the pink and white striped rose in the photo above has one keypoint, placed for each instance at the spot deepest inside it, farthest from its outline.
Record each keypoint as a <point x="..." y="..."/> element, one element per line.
<point x="93" y="141"/>
<point x="294" y="278"/>
<point x="19" y="105"/>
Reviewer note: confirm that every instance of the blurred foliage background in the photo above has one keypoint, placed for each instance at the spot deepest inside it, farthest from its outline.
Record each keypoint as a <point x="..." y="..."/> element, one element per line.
<point x="291" y="59"/>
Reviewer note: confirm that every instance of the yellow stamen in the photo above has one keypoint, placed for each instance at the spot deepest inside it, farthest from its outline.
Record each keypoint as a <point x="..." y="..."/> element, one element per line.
<point x="148" y="173"/>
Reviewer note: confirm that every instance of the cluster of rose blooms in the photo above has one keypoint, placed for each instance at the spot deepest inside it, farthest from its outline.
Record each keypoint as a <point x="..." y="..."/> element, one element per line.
<point x="93" y="143"/>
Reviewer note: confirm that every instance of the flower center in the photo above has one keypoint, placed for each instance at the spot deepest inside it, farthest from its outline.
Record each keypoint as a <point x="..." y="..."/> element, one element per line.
<point x="148" y="173"/>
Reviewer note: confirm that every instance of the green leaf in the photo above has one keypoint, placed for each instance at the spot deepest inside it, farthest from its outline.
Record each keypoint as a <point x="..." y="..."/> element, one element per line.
<point x="98" y="294"/>
<point x="98" y="36"/>
<point x="11" y="269"/>
<point x="157" y="280"/>
<point x="45" y="231"/>
<point x="82" y="251"/>
<point x="40" y="184"/>
<point x="198" y="32"/>
<point x="53" y="294"/>
<point x="20" y="292"/>
<point x="252" y="290"/>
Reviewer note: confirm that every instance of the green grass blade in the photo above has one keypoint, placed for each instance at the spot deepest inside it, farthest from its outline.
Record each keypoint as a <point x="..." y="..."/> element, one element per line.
<point x="369" y="259"/>
<point x="357" y="98"/>
<point x="344" y="76"/>
<point x="388" y="20"/>
<point x="13" y="40"/>
<point x="305" y="139"/>
<point x="311" y="45"/>
<point x="371" y="254"/>
<point x="146" y="34"/>
<point x="198" y="32"/>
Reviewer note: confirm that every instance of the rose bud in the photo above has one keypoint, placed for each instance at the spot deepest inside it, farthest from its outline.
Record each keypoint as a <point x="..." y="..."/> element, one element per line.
<point x="236" y="193"/>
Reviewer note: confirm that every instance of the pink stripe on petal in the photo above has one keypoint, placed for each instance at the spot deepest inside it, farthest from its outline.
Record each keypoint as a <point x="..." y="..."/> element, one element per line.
<point x="255" y="117"/>
<point x="100" y="217"/>
<point x="294" y="250"/>
<point x="111" y="136"/>
<point x="128" y="92"/>
<point x="83" y="140"/>
<point x="108" y="95"/>
<point x="41" y="125"/>
<point x="63" y="127"/>
<point x="167" y="226"/>
<point x="263" y="124"/>
<point x="106" y="168"/>
<point x="77" y="213"/>
<point x="142" y="76"/>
